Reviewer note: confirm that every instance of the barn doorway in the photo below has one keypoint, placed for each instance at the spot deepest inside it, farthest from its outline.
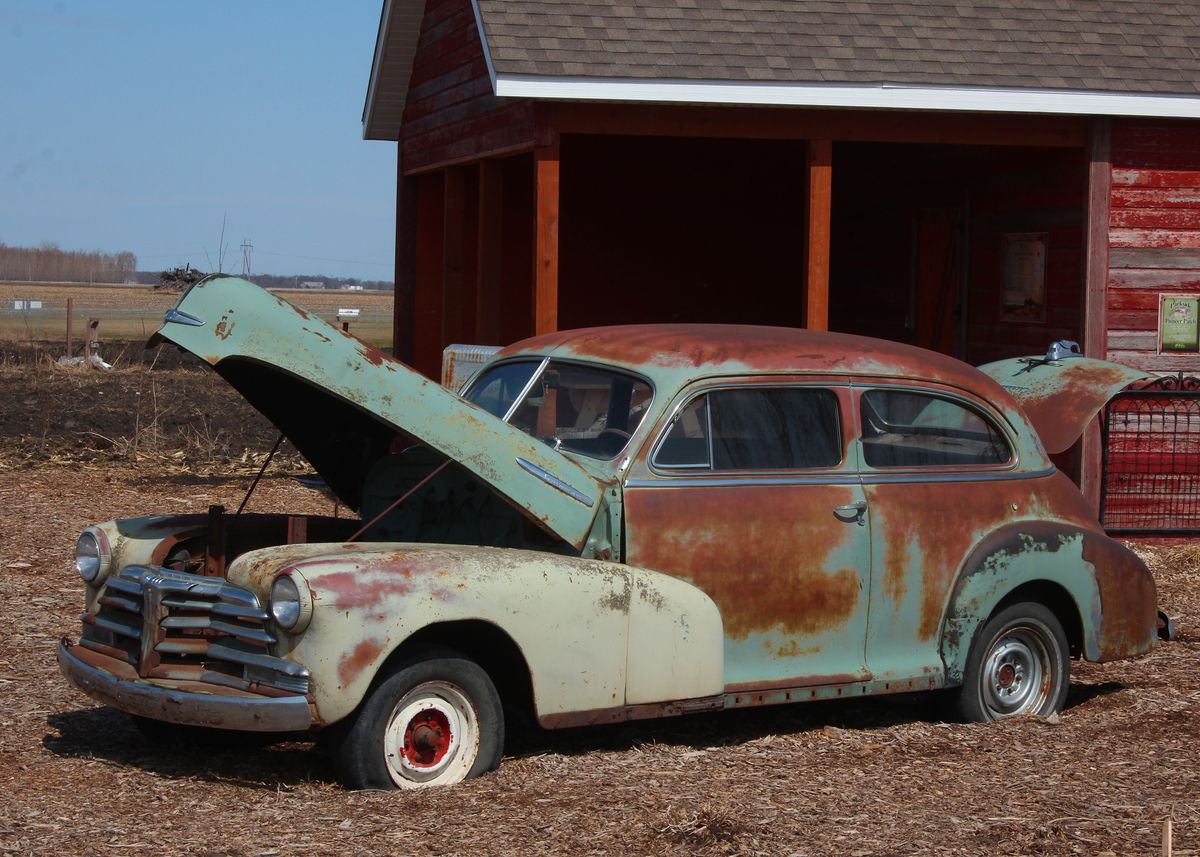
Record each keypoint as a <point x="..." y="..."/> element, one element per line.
<point x="923" y="236"/>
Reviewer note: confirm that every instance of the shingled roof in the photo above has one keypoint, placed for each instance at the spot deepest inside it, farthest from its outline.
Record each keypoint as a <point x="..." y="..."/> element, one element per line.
<point x="870" y="53"/>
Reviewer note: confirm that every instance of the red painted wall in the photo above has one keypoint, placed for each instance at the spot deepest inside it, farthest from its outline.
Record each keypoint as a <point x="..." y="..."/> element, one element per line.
<point x="451" y="114"/>
<point x="1154" y="236"/>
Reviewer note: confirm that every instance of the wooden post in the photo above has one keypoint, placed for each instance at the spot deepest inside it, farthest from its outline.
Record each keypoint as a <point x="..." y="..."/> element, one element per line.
<point x="545" y="258"/>
<point x="406" y="263"/>
<point x="1095" y="291"/>
<point x="490" y="252"/>
<point x="454" y="257"/>
<point x="427" y="287"/>
<point x="820" y="200"/>
<point x="70" y="327"/>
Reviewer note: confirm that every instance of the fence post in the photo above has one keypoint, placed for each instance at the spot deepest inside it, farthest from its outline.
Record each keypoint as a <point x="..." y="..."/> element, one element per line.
<point x="70" y="327"/>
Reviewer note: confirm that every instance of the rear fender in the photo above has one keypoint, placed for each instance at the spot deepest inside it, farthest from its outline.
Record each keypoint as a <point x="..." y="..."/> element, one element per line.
<point x="1014" y="556"/>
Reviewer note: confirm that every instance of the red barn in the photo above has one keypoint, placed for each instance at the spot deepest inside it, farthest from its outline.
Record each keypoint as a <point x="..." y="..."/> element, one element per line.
<point x="980" y="179"/>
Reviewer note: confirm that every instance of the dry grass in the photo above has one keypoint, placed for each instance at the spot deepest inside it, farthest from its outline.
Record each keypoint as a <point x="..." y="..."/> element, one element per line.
<point x="871" y="777"/>
<point x="875" y="777"/>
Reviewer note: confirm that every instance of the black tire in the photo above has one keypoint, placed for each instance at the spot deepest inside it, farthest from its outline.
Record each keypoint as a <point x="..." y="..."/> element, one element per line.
<point x="1019" y="664"/>
<point x="433" y="722"/>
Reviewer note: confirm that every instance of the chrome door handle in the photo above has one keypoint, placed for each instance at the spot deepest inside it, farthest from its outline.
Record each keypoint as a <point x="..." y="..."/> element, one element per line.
<point x="852" y="513"/>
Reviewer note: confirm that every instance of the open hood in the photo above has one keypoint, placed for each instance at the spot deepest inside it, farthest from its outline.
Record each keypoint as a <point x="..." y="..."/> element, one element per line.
<point x="341" y="402"/>
<point x="1061" y="391"/>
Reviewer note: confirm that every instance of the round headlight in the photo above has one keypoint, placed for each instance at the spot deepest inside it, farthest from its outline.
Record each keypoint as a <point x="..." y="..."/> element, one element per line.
<point x="291" y="602"/>
<point x="88" y="559"/>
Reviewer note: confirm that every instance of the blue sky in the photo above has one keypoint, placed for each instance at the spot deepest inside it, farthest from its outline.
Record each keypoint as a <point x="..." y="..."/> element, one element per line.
<point x="136" y="125"/>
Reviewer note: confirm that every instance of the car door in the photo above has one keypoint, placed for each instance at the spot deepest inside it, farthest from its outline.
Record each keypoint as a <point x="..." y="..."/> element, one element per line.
<point x="940" y="472"/>
<point x="749" y="491"/>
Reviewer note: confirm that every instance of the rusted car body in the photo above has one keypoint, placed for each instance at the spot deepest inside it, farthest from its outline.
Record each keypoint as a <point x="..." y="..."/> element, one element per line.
<point x="611" y="524"/>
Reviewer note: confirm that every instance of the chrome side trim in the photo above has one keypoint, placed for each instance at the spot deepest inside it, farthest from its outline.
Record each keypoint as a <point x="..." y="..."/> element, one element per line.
<point x="1000" y="476"/>
<point x="180" y="317"/>
<point x="866" y="478"/>
<point x="244" y="713"/>
<point x="682" y="480"/>
<point x="554" y="482"/>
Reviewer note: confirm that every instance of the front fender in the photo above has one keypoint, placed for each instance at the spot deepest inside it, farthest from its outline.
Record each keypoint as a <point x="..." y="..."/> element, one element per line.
<point x="1110" y="588"/>
<point x="595" y="635"/>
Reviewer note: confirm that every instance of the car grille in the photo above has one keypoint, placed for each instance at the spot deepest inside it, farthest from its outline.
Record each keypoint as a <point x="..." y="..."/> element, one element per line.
<point x="172" y="625"/>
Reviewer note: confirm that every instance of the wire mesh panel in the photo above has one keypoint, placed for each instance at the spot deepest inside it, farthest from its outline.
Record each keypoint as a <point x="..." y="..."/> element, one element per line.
<point x="1152" y="459"/>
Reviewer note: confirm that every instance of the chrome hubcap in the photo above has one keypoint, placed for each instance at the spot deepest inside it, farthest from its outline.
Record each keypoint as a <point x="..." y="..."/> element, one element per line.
<point x="1017" y="673"/>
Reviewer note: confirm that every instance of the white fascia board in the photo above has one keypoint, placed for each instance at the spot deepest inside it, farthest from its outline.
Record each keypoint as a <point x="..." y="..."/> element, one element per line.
<point x="884" y="96"/>
<point x="385" y="17"/>
<point x="487" y="53"/>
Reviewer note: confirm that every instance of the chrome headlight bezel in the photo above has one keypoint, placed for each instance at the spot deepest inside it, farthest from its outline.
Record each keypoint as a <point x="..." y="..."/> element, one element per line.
<point x="92" y="556"/>
<point x="291" y="604"/>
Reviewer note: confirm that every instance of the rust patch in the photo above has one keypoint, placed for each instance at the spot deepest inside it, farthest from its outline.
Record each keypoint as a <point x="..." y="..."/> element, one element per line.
<point x="1128" y="598"/>
<point x="758" y="348"/>
<point x="617" y="600"/>
<point x="943" y="524"/>
<point x="350" y="589"/>
<point x="1061" y="411"/>
<point x="224" y="328"/>
<point x="353" y="663"/>
<point x="929" y="529"/>
<point x="764" y="566"/>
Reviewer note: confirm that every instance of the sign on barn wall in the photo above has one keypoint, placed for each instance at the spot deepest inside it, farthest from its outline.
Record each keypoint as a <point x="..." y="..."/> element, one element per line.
<point x="1024" y="277"/>
<point x="1178" y="331"/>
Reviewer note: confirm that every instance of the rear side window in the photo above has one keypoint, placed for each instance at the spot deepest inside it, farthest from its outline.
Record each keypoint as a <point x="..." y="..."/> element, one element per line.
<point x="902" y="428"/>
<point x="754" y="428"/>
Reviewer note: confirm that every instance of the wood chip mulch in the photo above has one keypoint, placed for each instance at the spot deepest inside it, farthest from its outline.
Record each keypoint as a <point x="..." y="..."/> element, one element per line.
<point x="873" y="777"/>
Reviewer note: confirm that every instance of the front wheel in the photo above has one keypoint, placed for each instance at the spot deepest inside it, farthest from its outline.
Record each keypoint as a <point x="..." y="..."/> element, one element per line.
<point x="434" y="722"/>
<point x="1019" y="664"/>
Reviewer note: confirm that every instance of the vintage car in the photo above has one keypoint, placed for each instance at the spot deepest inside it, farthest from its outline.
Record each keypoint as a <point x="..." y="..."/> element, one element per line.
<point x="611" y="524"/>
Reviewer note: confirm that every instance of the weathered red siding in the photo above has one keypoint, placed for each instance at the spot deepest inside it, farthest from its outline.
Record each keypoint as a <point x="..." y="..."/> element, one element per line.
<point x="1154" y="235"/>
<point x="451" y="114"/>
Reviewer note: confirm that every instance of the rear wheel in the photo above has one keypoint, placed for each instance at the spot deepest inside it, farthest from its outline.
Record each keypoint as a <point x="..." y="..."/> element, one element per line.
<point x="1019" y="664"/>
<point x="433" y="722"/>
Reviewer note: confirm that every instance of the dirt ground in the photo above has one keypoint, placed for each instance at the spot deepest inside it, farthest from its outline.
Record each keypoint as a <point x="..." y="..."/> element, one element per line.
<point x="871" y="777"/>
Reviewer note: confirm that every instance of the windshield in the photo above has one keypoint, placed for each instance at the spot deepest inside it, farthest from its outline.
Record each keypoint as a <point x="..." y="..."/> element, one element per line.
<point x="584" y="409"/>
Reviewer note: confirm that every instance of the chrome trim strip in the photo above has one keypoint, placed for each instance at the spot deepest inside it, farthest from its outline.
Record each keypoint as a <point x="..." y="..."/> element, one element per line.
<point x="243" y="713"/>
<point x="682" y="480"/>
<point x="866" y="478"/>
<point x="520" y="399"/>
<point x="876" y="478"/>
<point x="180" y="317"/>
<point x="554" y="482"/>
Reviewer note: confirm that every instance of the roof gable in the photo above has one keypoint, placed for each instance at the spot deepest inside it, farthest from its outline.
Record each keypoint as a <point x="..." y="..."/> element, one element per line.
<point x="1102" y="57"/>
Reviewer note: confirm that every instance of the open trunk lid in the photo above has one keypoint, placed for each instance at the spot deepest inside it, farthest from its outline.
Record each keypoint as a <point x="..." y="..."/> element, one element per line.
<point x="1061" y="391"/>
<point x="341" y="401"/>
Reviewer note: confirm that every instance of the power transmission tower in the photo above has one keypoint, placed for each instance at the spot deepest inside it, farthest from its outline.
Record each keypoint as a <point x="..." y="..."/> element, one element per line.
<point x="247" y="252"/>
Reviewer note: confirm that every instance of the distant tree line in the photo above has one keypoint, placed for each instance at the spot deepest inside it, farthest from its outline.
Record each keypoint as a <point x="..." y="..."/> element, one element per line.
<point x="50" y="263"/>
<point x="292" y="281"/>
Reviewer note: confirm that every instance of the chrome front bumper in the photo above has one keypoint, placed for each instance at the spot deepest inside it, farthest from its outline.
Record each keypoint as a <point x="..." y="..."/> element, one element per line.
<point x="221" y="709"/>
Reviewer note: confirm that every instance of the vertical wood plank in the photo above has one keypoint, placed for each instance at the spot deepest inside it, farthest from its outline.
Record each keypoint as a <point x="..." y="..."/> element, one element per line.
<point x="427" y="295"/>
<point x="1095" y="321"/>
<point x="545" y="275"/>
<point x="406" y="264"/>
<point x="453" y="256"/>
<point x="491" y="248"/>
<point x="820" y="200"/>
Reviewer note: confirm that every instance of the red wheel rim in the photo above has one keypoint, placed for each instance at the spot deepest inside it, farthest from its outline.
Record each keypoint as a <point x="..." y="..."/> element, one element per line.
<point x="427" y="738"/>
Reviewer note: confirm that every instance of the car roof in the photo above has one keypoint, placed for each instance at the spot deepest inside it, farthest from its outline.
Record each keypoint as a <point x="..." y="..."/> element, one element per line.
<point x="698" y="350"/>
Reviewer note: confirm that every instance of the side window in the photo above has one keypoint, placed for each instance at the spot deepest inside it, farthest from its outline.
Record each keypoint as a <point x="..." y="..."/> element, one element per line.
<point x="686" y="443"/>
<point x="901" y="428"/>
<point x="755" y="428"/>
